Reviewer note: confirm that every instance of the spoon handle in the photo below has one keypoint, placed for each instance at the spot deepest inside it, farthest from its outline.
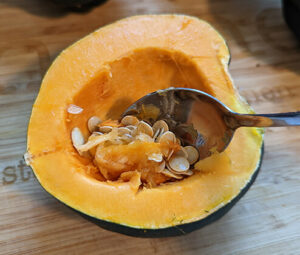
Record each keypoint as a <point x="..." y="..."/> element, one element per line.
<point x="268" y="120"/>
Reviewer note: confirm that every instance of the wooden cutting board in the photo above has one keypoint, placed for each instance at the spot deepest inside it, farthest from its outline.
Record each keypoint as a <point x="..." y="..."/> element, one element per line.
<point x="265" y="66"/>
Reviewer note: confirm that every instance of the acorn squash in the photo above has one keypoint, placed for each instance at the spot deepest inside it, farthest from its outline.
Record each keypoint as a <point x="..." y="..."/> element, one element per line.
<point x="103" y="74"/>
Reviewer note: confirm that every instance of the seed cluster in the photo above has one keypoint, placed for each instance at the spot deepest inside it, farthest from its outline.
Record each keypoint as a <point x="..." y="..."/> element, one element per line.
<point x="173" y="163"/>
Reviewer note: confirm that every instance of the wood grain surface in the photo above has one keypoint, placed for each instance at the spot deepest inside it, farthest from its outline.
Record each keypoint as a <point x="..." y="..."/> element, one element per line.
<point x="265" y="66"/>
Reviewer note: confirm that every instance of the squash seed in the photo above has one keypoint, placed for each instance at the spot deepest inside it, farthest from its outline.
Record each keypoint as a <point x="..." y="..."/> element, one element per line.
<point x="168" y="173"/>
<point x="187" y="173"/>
<point x="157" y="157"/>
<point x="97" y="133"/>
<point x="127" y="138"/>
<point x="182" y="153"/>
<point x="193" y="154"/>
<point x="179" y="164"/>
<point x="145" y="128"/>
<point x="93" y="123"/>
<point x="77" y="137"/>
<point x="74" y="109"/>
<point x="167" y="137"/>
<point x="105" y="129"/>
<point x="133" y="129"/>
<point x="144" y="138"/>
<point x="123" y="131"/>
<point x="156" y="134"/>
<point x="160" y="125"/>
<point x="130" y="120"/>
<point x="170" y="153"/>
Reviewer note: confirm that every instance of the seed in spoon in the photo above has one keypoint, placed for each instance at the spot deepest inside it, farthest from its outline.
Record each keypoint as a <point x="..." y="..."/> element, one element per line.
<point x="169" y="154"/>
<point x="93" y="123"/>
<point x="193" y="154"/>
<point x="130" y="120"/>
<point x="167" y="137"/>
<point x="179" y="164"/>
<point x="178" y="141"/>
<point x="160" y="125"/>
<point x="145" y="128"/>
<point x="182" y="153"/>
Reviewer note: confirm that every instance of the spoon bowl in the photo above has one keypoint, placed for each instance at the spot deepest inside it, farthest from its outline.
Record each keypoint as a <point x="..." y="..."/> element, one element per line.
<point x="200" y="119"/>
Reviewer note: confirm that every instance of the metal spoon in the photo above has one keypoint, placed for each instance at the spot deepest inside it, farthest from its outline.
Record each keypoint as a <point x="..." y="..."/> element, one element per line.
<point x="201" y="120"/>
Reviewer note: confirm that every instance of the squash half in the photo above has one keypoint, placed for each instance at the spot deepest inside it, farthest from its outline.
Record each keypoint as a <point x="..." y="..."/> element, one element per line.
<point x="104" y="73"/>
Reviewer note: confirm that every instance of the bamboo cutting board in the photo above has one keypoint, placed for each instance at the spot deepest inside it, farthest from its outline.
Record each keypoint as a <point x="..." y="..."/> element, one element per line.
<point x="266" y="68"/>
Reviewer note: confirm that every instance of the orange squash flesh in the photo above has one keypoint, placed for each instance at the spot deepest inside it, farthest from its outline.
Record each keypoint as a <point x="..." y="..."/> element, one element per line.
<point x="114" y="160"/>
<point x="107" y="71"/>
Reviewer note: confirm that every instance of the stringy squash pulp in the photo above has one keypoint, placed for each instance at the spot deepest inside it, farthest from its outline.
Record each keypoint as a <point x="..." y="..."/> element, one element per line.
<point x="106" y="72"/>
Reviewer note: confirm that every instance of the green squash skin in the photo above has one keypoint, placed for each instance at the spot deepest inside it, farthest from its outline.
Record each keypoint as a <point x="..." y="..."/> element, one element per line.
<point x="177" y="230"/>
<point x="291" y="14"/>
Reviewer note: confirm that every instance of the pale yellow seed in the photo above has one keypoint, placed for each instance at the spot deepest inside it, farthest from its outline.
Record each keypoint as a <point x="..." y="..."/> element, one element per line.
<point x="93" y="123"/>
<point x="170" y="153"/>
<point x="193" y="154"/>
<point x="74" y="109"/>
<point x="130" y="120"/>
<point x="144" y="138"/>
<point x="105" y="129"/>
<point x="127" y="138"/>
<point x="157" y="157"/>
<point x="77" y="137"/>
<point x="123" y="130"/>
<point x="166" y="172"/>
<point x="156" y="135"/>
<point x="165" y="152"/>
<point x="182" y="153"/>
<point x="167" y="137"/>
<point x="93" y="135"/>
<point x="97" y="133"/>
<point x="179" y="164"/>
<point x="145" y="128"/>
<point x="133" y="129"/>
<point x="160" y="125"/>
<point x="187" y="173"/>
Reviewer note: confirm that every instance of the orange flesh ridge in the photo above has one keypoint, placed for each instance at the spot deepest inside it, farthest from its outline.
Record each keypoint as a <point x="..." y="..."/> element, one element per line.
<point x="106" y="72"/>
